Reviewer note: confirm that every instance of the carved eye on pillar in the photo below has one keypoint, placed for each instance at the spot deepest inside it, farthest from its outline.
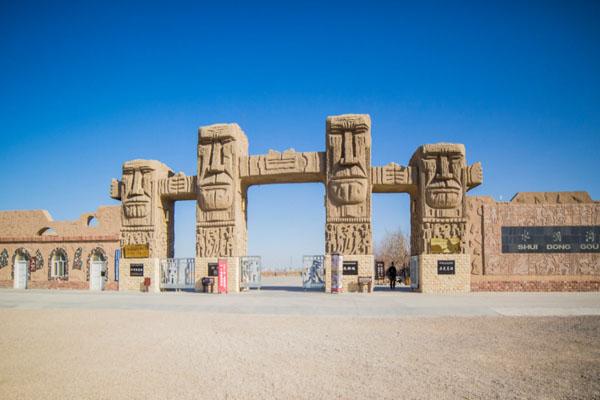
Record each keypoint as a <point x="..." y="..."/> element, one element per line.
<point x="429" y="167"/>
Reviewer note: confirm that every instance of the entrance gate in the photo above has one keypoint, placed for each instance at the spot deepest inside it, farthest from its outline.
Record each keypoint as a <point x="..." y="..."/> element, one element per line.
<point x="250" y="276"/>
<point x="177" y="273"/>
<point x="20" y="281"/>
<point x="313" y="274"/>
<point x="97" y="274"/>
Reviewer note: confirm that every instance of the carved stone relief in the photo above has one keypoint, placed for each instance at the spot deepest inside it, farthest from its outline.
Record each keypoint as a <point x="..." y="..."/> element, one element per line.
<point x="178" y="187"/>
<point x="4" y="258"/>
<point x="39" y="260"/>
<point x="77" y="263"/>
<point x="144" y="214"/>
<point x="348" y="238"/>
<point x="348" y="166"/>
<point x="215" y="241"/>
<point x="529" y="211"/>
<point x="218" y="153"/>
<point x="438" y="209"/>
<point x="288" y="166"/>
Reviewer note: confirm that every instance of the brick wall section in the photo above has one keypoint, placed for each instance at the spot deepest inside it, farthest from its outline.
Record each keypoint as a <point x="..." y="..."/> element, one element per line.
<point x="431" y="282"/>
<point x="59" y="285"/>
<point x="536" y="286"/>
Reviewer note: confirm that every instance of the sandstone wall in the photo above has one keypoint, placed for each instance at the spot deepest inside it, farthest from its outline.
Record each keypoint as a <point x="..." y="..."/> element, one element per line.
<point x="23" y="232"/>
<point x="493" y="270"/>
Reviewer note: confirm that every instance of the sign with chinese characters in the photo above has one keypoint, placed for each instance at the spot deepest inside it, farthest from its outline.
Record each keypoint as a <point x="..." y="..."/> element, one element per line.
<point x="136" y="270"/>
<point x="222" y="267"/>
<point x="379" y="270"/>
<point x="446" y="267"/>
<point x="136" y="251"/>
<point x="350" y="268"/>
<point x="213" y="269"/>
<point x="551" y="239"/>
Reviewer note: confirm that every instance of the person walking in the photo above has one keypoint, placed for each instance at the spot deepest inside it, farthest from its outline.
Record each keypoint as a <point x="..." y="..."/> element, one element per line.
<point x="391" y="273"/>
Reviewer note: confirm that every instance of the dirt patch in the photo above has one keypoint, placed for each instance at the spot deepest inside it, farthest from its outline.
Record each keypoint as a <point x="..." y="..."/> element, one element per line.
<point x="118" y="354"/>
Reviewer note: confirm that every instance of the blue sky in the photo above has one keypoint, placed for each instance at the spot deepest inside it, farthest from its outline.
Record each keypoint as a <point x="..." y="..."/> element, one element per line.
<point x="86" y="86"/>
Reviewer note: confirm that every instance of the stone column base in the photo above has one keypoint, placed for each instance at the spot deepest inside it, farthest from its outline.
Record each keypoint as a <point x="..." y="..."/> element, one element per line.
<point x="433" y="281"/>
<point x="136" y="283"/>
<point x="366" y="268"/>
<point x="233" y="272"/>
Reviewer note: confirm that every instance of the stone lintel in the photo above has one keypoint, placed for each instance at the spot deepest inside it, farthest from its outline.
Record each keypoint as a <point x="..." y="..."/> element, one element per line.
<point x="392" y="178"/>
<point x="289" y="166"/>
<point x="178" y="187"/>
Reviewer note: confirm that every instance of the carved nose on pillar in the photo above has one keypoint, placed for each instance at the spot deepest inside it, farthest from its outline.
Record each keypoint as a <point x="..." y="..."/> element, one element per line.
<point x="136" y="184"/>
<point x="444" y="170"/>
<point x="348" y="157"/>
<point x="216" y="160"/>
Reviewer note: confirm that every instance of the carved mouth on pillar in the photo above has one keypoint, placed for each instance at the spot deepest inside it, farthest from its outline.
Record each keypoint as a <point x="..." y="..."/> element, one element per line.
<point x="443" y="194"/>
<point x="216" y="196"/>
<point x="348" y="190"/>
<point x="136" y="209"/>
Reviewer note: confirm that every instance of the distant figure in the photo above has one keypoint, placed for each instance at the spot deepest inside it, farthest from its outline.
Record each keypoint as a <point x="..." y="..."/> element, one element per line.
<point x="391" y="273"/>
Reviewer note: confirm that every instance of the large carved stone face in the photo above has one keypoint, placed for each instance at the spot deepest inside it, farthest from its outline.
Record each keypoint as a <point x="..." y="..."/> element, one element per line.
<point x="137" y="189"/>
<point x="443" y="166"/>
<point x="216" y="151"/>
<point x="348" y="140"/>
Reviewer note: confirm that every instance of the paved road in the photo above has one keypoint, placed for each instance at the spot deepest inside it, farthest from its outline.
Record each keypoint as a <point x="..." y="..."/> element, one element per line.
<point x="281" y="297"/>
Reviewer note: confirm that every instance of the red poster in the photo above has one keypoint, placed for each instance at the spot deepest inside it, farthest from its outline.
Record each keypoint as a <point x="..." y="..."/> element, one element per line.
<point x="222" y="266"/>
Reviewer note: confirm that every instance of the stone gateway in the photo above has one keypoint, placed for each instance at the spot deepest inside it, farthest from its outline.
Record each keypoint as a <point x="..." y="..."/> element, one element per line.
<point x="537" y="241"/>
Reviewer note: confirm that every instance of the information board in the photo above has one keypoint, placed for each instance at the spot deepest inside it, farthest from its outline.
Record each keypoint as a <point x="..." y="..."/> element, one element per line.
<point x="446" y="267"/>
<point x="136" y="270"/>
<point x="350" y="268"/>
<point x="213" y="269"/>
<point x="551" y="239"/>
<point x="379" y="270"/>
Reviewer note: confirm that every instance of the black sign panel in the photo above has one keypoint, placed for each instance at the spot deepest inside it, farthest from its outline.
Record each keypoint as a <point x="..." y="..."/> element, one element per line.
<point x="379" y="270"/>
<point x="213" y="269"/>
<point x="446" y="267"/>
<point x="136" y="270"/>
<point x="350" y="268"/>
<point x="551" y="239"/>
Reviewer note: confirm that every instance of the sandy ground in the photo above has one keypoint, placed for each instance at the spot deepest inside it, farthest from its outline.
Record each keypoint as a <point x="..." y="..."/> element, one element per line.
<point x="71" y="350"/>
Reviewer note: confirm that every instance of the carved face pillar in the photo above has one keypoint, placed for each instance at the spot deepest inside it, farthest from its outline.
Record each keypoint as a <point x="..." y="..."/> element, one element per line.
<point x="144" y="217"/>
<point x="348" y="180"/>
<point x="220" y="215"/>
<point x="438" y="208"/>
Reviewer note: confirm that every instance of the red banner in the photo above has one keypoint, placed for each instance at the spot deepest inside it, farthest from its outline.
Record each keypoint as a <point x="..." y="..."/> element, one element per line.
<point x="222" y="267"/>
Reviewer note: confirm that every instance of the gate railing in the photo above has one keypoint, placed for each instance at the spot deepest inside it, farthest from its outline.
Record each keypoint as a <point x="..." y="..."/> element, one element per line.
<point x="313" y="274"/>
<point x="250" y="272"/>
<point x="177" y="273"/>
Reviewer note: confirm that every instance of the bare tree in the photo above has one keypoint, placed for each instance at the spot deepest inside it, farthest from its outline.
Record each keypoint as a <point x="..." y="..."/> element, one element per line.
<point x="394" y="246"/>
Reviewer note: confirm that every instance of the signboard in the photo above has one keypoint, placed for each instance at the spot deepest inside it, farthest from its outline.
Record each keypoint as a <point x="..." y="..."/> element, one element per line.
<point x="117" y="257"/>
<point x="213" y="269"/>
<point x="336" y="273"/>
<point x="136" y="270"/>
<point x="350" y="268"/>
<point x="136" y="251"/>
<point x="222" y="268"/>
<point x="551" y="239"/>
<point x="446" y="267"/>
<point x="379" y="270"/>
